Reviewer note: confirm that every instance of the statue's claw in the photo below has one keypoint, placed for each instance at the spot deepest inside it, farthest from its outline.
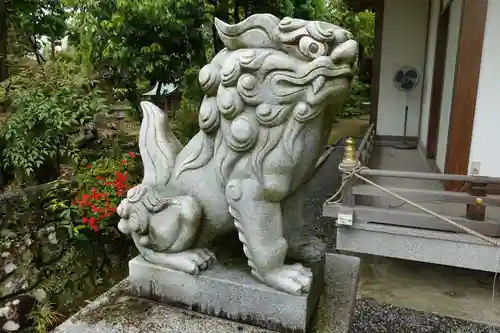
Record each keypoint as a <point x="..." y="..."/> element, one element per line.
<point x="293" y="279"/>
<point x="192" y="261"/>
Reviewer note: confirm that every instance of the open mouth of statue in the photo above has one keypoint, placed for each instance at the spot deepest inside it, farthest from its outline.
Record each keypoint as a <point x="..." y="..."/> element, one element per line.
<point x="318" y="83"/>
<point x="290" y="84"/>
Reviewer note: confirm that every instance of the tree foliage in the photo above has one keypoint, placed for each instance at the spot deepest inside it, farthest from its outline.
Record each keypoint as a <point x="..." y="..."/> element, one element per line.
<point x="34" y="19"/>
<point x="119" y="44"/>
<point x="48" y="104"/>
<point x="129" y="39"/>
<point x="361" y="25"/>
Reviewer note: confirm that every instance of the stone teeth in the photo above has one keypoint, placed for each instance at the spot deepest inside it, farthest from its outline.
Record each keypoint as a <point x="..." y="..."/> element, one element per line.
<point x="318" y="83"/>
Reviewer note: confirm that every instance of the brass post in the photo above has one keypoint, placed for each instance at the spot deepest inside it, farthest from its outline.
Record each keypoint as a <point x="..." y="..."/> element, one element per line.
<point x="347" y="165"/>
<point x="349" y="160"/>
<point x="349" y="151"/>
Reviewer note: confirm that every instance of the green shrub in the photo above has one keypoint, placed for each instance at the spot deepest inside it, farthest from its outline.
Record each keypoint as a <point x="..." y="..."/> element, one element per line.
<point x="47" y="104"/>
<point x="359" y="92"/>
<point x="186" y="123"/>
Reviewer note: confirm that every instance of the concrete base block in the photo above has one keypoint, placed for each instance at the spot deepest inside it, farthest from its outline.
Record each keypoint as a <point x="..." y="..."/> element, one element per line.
<point x="119" y="310"/>
<point x="229" y="292"/>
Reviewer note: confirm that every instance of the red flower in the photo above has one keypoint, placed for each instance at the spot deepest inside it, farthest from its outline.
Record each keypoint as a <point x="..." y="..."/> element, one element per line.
<point x="84" y="200"/>
<point x="89" y="166"/>
<point x="93" y="224"/>
<point x="99" y="204"/>
<point x="120" y="181"/>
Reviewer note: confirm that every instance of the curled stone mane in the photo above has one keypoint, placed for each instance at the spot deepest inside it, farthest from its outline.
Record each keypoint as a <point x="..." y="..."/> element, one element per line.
<point x="243" y="112"/>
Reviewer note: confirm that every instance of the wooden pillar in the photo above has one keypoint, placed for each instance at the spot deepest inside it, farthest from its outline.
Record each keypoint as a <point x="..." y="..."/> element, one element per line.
<point x="477" y="211"/>
<point x="376" y="60"/>
<point x="437" y="83"/>
<point x="463" y="107"/>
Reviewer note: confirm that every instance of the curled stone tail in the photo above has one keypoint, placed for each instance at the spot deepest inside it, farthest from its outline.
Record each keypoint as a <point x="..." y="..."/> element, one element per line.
<point x="157" y="144"/>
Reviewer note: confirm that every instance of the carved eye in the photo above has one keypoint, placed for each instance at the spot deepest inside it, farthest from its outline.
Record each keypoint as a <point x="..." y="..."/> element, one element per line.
<point x="311" y="48"/>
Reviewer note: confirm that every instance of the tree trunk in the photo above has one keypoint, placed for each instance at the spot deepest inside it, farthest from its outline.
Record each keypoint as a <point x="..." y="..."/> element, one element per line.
<point x="223" y="9"/>
<point x="53" y="49"/>
<point x="247" y="9"/>
<point x="3" y="41"/>
<point x="236" y="11"/>
<point x="215" y="37"/>
<point x="39" y="58"/>
<point x="222" y="13"/>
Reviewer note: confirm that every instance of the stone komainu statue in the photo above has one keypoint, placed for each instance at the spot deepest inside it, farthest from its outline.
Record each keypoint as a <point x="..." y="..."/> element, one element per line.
<point x="270" y="99"/>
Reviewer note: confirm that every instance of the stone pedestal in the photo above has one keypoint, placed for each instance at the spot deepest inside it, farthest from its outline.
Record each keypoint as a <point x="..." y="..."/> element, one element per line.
<point x="119" y="311"/>
<point x="229" y="292"/>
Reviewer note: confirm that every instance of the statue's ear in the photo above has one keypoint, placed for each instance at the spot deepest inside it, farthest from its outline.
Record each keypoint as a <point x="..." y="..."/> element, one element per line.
<point x="256" y="31"/>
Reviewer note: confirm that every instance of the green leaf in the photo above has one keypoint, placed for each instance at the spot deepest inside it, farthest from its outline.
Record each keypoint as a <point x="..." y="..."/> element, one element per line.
<point x="79" y="227"/>
<point x="80" y="237"/>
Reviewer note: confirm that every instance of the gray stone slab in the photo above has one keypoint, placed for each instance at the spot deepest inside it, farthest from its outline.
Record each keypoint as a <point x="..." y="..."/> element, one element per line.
<point x="117" y="311"/>
<point x="229" y="292"/>
<point x="437" y="247"/>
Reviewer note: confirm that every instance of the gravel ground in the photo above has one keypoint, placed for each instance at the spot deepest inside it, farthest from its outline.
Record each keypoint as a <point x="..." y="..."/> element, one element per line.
<point x="373" y="317"/>
<point x="323" y="184"/>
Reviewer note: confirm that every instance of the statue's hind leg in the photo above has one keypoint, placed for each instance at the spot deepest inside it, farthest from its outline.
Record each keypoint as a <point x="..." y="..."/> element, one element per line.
<point x="260" y="228"/>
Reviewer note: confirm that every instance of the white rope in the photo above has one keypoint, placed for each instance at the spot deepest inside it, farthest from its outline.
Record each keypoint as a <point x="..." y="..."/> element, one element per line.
<point x="354" y="172"/>
<point x="348" y="175"/>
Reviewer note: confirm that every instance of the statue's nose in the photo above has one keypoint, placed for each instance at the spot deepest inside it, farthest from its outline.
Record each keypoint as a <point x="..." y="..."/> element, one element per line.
<point x="345" y="53"/>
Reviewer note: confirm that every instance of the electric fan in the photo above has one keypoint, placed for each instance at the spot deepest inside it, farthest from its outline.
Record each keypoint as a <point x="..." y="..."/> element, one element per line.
<point x="405" y="80"/>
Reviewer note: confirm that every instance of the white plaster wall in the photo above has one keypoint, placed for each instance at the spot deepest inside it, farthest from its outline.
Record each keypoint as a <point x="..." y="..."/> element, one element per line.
<point x="403" y="44"/>
<point x="429" y="71"/>
<point x="449" y="81"/>
<point x="485" y="146"/>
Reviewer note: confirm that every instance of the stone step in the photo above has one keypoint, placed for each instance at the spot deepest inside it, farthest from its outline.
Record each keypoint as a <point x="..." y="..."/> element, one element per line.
<point x="438" y="247"/>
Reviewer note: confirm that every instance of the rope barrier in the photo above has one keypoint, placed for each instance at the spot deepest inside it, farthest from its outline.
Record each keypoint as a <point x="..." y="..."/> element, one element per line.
<point x="350" y="173"/>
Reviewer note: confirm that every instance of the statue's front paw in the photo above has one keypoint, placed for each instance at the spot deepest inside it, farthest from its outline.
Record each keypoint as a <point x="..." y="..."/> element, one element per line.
<point x="192" y="261"/>
<point x="133" y="220"/>
<point x="133" y="225"/>
<point x="293" y="279"/>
